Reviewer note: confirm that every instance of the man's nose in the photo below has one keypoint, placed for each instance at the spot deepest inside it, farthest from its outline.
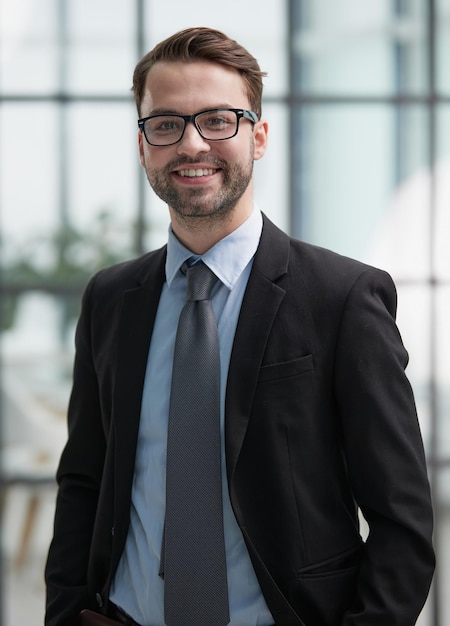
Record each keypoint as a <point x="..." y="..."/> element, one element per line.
<point x="192" y="142"/>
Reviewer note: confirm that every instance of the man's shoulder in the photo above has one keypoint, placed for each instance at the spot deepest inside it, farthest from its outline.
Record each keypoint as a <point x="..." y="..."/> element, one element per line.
<point x="130" y="273"/>
<point x="106" y="288"/>
<point x="313" y="259"/>
<point x="320" y="256"/>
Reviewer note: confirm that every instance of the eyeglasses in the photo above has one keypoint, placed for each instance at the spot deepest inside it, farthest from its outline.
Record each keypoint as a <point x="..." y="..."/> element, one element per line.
<point x="213" y="125"/>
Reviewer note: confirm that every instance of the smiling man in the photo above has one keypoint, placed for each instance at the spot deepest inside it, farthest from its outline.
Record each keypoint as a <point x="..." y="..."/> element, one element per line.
<point x="237" y="396"/>
<point x="201" y="164"/>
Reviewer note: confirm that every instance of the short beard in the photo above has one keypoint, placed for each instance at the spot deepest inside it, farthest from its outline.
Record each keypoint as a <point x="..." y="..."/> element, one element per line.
<point x="190" y="207"/>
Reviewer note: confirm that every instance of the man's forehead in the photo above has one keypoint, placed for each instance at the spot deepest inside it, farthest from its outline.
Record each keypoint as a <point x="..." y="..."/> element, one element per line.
<point x="191" y="70"/>
<point x="213" y="83"/>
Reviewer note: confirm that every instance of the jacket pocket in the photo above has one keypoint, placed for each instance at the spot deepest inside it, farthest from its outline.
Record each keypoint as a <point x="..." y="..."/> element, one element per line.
<point x="323" y="593"/>
<point x="295" y="367"/>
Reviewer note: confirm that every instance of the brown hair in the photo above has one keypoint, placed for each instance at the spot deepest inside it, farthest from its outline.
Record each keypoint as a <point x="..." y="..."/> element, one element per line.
<point x="205" y="44"/>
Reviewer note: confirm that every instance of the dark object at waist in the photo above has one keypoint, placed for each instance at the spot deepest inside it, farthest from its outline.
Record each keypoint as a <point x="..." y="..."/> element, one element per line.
<point x="119" y="616"/>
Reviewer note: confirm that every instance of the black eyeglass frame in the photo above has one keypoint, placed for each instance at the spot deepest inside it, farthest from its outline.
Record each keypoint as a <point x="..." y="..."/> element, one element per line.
<point x="240" y="113"/>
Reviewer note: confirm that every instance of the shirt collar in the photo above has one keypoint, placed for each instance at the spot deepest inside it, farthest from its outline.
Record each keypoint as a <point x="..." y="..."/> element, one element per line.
<point x="227" y="258"/>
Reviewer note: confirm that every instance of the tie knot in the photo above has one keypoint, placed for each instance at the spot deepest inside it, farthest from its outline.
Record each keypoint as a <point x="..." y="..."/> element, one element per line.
<point x="200" y="281"/>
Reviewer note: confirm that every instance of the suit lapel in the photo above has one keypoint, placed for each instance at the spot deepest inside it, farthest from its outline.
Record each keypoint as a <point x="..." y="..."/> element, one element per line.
<point x="138" y="314"/>
<point x="259" y="307"/>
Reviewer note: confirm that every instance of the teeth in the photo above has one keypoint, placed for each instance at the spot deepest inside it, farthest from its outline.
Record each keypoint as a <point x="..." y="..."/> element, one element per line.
<point x="194" y="173"/>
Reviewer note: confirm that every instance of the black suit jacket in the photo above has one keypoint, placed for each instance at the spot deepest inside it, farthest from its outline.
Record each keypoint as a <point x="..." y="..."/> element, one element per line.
<point x="319" y="417"/>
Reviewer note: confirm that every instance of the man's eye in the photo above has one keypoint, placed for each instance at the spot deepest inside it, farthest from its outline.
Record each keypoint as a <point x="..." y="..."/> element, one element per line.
<point x="217" y="122"/>
<point x="165" y="126"/>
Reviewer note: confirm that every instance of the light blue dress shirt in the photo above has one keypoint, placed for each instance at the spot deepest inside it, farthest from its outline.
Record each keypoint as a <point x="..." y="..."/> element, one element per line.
<point x="137" y="588"/>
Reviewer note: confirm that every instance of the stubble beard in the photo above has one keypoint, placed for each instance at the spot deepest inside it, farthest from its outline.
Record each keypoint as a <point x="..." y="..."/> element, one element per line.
<point x="192" y="206"/>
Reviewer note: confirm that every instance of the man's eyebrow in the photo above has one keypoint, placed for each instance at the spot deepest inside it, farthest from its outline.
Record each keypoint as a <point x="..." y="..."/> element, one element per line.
<point x="164" y="112"/>
<point x="161" y="111"/>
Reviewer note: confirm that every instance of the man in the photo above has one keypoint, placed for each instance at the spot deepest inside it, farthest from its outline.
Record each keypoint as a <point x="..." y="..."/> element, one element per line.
<point x="316" y="413"/>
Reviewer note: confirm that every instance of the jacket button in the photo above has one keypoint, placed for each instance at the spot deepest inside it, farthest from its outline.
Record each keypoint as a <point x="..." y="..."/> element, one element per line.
<point x="99" y="599"/>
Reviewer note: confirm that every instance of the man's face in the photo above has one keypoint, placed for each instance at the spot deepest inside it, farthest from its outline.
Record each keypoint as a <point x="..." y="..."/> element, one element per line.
<point x="196" y="177"/>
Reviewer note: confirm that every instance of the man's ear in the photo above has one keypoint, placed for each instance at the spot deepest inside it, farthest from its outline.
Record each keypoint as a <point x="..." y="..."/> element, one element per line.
<point x="260" y="133"/>
<point x="141" y="148"/>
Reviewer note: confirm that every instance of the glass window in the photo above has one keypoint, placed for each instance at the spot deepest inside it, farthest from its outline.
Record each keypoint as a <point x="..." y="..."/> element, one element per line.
<point x="28" y="46"/>
<point x="102" y="164"/>
<point x="442" y="47"/>
<point x="350" y="47"/>
<point x="442" y="375"/>
<point x="261" y="28"/>
<point x="441" y="216"/>
<point x="345" y="186"/>
<point x="272" y="171"/>
<point x="100" y="46"/>
<point x="414" y="315"/>
<point x="29" y="157"/>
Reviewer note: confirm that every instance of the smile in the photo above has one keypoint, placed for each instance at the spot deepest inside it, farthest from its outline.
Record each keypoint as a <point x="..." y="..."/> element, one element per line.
<point x="196" y="173"/>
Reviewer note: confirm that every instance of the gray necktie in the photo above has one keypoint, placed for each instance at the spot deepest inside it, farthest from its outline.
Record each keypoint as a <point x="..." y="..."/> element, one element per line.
<point x="195" y="575"/>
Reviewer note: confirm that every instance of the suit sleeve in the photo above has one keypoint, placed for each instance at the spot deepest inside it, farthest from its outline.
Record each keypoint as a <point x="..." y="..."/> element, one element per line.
<point x="79" y="477"/>
<point x="385" y="457"/>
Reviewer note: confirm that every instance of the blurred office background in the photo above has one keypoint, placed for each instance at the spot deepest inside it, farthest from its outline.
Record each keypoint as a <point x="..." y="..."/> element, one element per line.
<point x="358" y="100"/>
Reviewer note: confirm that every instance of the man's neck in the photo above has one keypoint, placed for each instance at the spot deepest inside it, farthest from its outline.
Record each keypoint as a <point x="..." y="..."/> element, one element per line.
<point x="200" y="235"/>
